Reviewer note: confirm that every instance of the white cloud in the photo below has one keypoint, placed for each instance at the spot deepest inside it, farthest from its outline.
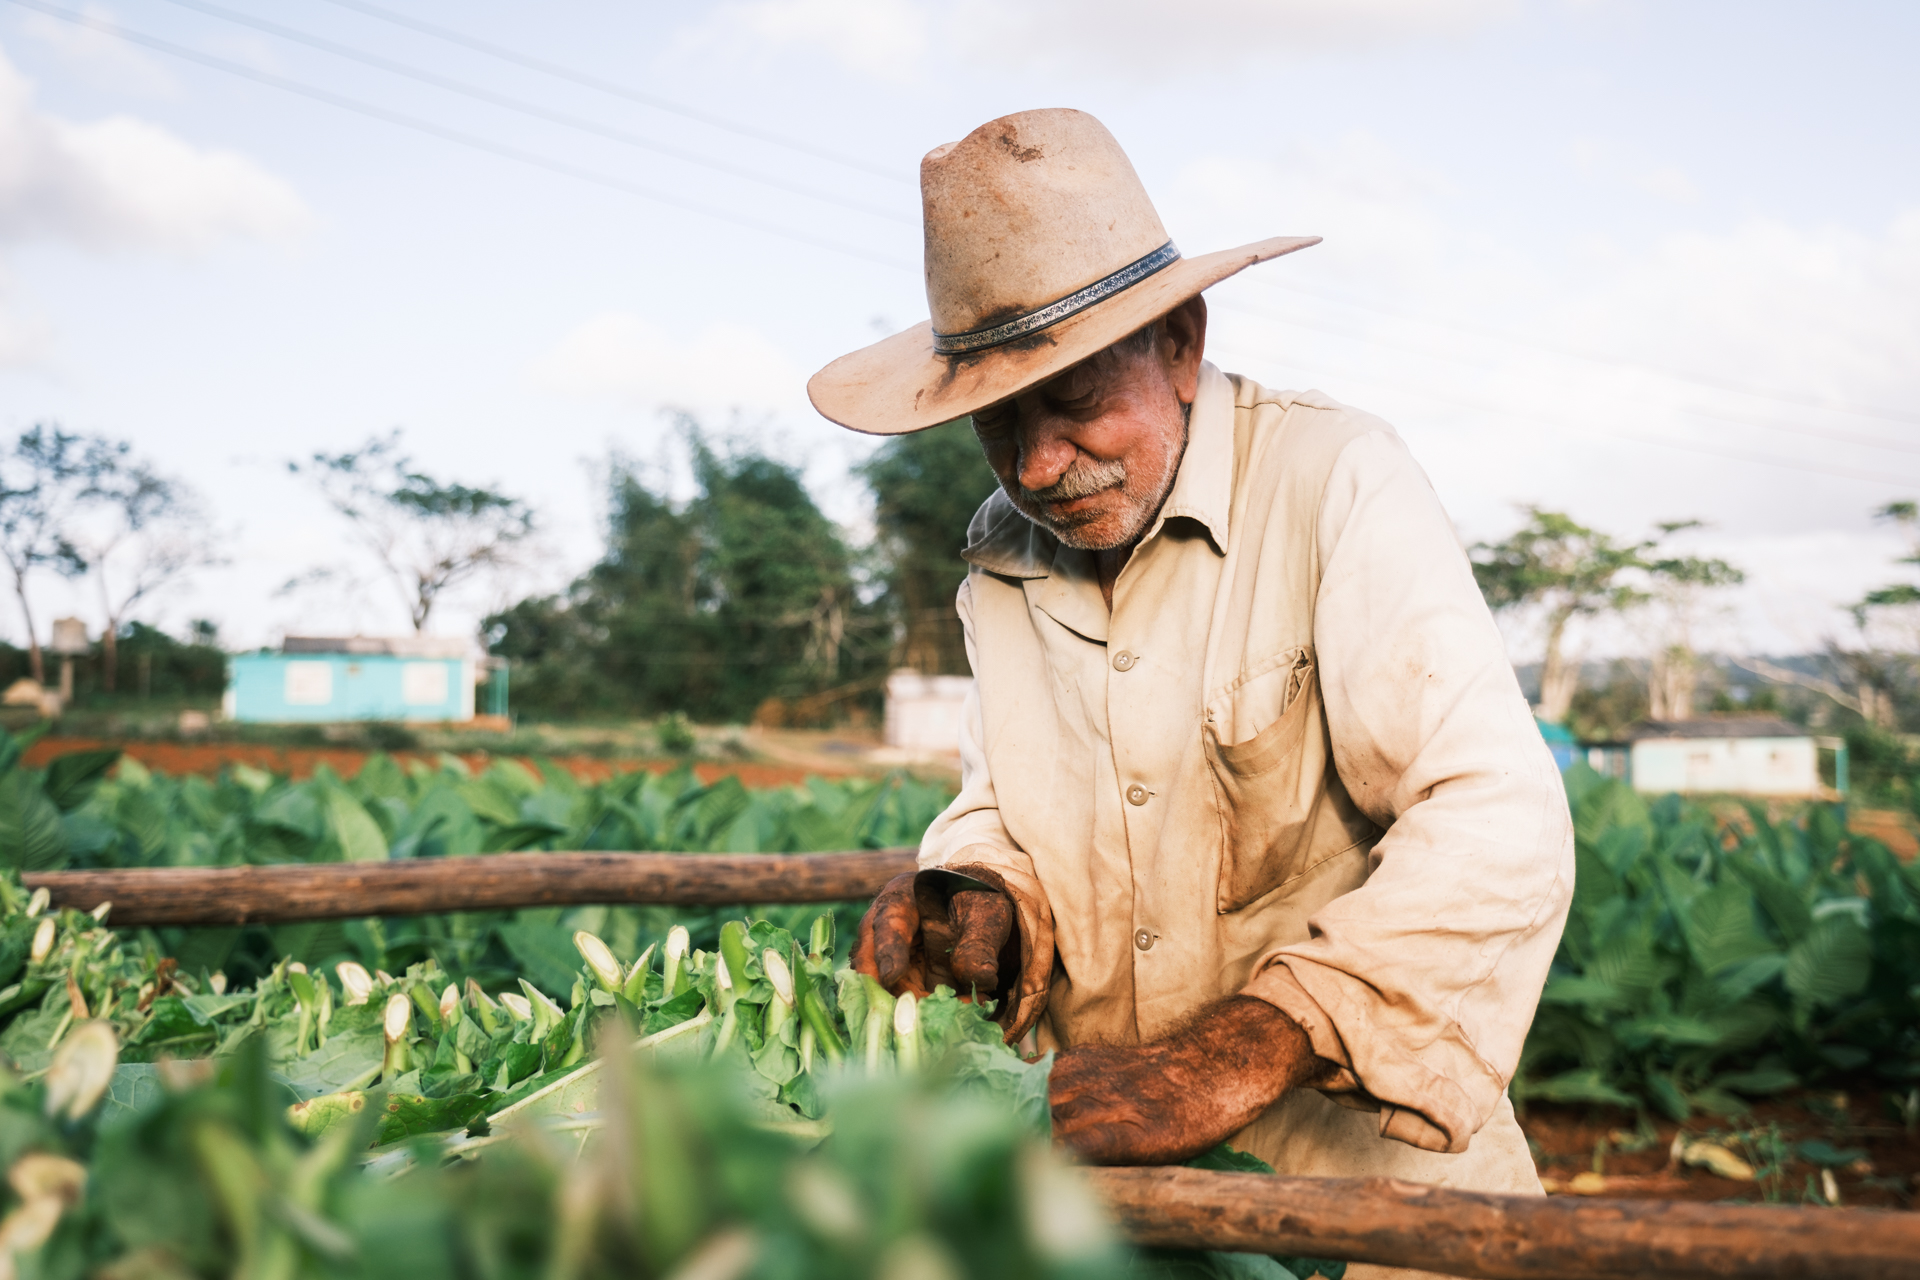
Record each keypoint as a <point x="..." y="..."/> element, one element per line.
<point x="634" y="362"/>
<point x="1379" y="212"/>
<point x="1610" y="163"/>
<point x="880" y="37"/>
<point x="1473" y="346"/>
<point x="121" y="183"/>
<point x="888" y="38"/>
<point x="99" y="57"/>
<point x="26" y="339"/>
<point x="1830" y="311"/>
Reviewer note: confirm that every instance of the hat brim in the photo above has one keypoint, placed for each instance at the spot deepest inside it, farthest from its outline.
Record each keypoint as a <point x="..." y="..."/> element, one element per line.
<point x="899" y="384"/>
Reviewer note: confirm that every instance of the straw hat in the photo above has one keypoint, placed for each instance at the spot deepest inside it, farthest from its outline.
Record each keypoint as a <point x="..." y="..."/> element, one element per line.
<point x="1042" y="248"/>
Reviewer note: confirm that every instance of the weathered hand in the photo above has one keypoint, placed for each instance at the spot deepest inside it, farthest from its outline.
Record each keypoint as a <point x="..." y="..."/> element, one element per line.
<point x="1175" y="1098"/>
<point x="913" y="938"/>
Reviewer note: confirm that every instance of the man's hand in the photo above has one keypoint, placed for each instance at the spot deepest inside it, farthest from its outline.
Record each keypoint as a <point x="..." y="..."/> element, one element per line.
<point x="915" y="938"/>
<point x="1171" y="1100"/>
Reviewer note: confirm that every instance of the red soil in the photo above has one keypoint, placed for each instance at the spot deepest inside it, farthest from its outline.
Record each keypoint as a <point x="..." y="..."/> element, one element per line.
<point x="1570" y="1140"/>
<point x="208" y="758"/>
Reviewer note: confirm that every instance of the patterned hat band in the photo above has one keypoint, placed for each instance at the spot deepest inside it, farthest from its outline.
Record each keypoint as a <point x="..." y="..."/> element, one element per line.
<point x="953" y="344"/>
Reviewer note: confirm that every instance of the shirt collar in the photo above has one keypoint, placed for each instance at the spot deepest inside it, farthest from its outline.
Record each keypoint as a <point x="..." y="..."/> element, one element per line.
<point x="1203" y="487"/>
<point x="1009" y="544"/>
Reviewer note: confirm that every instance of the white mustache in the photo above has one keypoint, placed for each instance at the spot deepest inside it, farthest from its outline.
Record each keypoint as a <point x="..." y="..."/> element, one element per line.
<point x="1083" y="479"/>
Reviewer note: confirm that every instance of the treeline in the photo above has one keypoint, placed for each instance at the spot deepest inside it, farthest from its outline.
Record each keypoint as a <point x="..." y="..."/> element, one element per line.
<point x="745" y="601"/>
<point x="1555" y="576"/>
<point x="147" y="663"/>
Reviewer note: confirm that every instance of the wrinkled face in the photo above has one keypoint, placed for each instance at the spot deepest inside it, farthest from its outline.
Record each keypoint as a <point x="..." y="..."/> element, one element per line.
<point x="1090" y="455"/>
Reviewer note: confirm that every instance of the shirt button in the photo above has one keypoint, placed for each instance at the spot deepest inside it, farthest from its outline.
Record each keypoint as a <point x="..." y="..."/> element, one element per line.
<point x="1136" y="794"/>
<point x="1123" y="661"/>
<point x="1143" y="939"/>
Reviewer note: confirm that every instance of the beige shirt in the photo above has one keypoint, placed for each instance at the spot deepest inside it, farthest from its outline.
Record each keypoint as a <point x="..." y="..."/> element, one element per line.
<point x="1145" y="778"/>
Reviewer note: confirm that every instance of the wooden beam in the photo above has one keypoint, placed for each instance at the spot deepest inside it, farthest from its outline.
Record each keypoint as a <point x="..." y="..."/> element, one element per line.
<point x="1464" y="1233"/>
<point x="421" y="886"/>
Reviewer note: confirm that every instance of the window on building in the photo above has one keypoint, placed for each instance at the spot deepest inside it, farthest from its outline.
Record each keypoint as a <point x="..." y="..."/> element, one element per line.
<point x="423" y="684"/>
<point x="309" y="684"/>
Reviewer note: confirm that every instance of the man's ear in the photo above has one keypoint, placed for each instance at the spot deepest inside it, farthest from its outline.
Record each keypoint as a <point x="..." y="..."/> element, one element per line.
<point x="1183" y="345"/>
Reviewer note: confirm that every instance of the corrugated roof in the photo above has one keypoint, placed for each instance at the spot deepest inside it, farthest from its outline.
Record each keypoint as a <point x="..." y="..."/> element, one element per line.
<point x="1731" y="727"/>
<point x="382" y="646"/>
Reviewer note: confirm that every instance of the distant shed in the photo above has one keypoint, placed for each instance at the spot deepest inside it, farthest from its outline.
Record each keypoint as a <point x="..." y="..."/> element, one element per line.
<point x="327" y="678"/>
<point x="1758" y="757"/>
<point x="924" y="712"/>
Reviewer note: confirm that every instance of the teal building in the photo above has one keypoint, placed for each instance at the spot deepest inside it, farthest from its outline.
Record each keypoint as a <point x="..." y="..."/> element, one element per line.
<point x="320" y="679"/>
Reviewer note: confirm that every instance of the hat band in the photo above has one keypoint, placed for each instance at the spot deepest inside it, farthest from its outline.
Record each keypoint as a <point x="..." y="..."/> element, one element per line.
<point x="953" y="344"/>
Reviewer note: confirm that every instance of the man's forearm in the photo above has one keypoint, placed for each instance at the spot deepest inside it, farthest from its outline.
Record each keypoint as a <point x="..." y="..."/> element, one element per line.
<point x="1172" y="1099"/>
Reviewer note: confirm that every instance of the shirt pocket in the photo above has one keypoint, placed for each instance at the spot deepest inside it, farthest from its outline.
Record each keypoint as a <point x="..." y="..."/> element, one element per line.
<point x="1282" y="808"/>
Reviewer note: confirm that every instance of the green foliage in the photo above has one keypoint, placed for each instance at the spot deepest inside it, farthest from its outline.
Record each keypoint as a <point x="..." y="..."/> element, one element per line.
<point x="926" y="487"/>
<point x="149" y="663"/>
<point x="136" y="818"/>
<point x="709" y="607"/>
<point x="747" y="592"/>
<point x="1704" y="964"/>
<point x="679" y="1173"/>
<point x="725" y="1135"/>
<point x="1555" y="559"/>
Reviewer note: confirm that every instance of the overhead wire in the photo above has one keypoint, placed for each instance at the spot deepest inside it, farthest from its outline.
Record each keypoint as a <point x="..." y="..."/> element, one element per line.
<point x="536" y="111"/>
<point x="457" y="136"/>
<point x="1784" y="397"/>
<point x="582" y="173"/>
<point x="1824" y="433"/>
<point x="1588" y="429"/>
<point x="618" y="90"/>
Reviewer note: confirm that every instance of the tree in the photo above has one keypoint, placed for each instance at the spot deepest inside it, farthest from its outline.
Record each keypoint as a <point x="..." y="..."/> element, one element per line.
<point x="428" y="535"/>
<point x="1566" y="570"/>
<point x="1896" y="607"/>
<point x="711" y="607"/>
<point x="49" y="477"/>
<point x="1680" y="586"/>
<point x="154" y="533"/>
<point x="926" y="487"/>
<point x="1888" y="622"/>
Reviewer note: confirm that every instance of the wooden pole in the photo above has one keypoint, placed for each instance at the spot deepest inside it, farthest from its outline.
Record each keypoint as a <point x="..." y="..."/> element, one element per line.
<point x="1465" y="1233"/>
<point x="422" y="886"/>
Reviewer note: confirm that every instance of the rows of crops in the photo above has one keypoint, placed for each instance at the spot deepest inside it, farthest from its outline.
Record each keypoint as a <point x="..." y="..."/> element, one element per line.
<point x="1705" y="963"/>
<point x="754" y="1110"/>
<point x="77" y="814"/>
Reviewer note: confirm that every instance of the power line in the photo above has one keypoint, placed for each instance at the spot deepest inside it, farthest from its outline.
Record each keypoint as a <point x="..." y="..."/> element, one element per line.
<point x="536" y="111"/>
<point x="1824" y="433"/>
<point x="1844" y="473"/>
<point x="1784" y="397"/>
<point x="457" y="136"/>
<point x="617" y="90"/>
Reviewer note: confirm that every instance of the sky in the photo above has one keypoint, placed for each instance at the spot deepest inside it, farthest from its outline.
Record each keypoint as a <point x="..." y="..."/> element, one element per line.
<point x="1637" y="262"/>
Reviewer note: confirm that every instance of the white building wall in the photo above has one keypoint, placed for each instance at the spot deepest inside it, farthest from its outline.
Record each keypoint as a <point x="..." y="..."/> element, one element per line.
<point x="923" y="712"/>
<point x="1747" y="766"/>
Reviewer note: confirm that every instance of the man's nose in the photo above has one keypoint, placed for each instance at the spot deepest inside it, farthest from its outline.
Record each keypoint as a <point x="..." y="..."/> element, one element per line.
<point x="1044" y="458"/>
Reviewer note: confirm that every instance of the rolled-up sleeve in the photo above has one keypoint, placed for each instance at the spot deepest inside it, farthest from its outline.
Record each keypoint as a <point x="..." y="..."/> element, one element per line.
<point x="1422" y="983"/>
<point x="969" y="835"/>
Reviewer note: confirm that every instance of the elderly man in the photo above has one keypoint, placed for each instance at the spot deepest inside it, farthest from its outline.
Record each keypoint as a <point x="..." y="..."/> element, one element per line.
<point x="1254" y="827"/>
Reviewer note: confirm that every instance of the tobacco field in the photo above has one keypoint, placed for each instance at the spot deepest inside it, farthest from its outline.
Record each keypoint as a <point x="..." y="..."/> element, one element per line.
<point x="598" y="1091"/>
<point x="757" y="1110"/>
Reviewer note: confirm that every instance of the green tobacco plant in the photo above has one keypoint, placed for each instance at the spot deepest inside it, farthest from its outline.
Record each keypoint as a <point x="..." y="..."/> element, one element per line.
<point x="765" y="1154"/>
<point x="1704" y="963"/>
<point x="71" y="814"/>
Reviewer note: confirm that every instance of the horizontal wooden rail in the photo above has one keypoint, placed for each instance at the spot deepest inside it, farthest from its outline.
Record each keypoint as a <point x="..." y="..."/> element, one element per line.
<point x="421" y="886"/>
<point x="1465" y="1233"/>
